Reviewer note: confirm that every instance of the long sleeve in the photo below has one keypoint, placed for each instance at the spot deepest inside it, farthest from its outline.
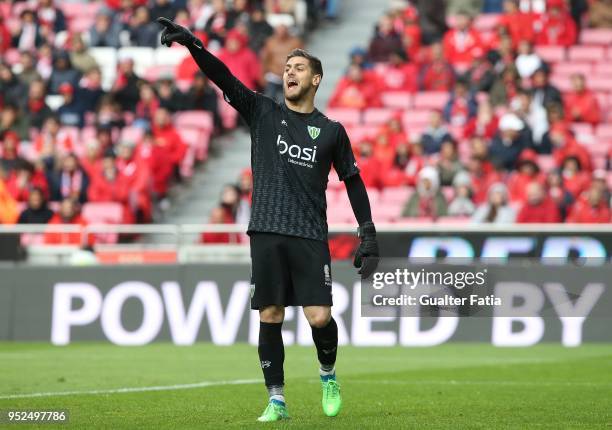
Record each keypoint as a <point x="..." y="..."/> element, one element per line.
<point x="235" y="92"/>
<point x="358" y="196"/>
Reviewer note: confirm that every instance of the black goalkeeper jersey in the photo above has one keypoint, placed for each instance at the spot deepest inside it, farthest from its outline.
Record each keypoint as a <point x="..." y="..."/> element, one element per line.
<point x="291" y="157"/>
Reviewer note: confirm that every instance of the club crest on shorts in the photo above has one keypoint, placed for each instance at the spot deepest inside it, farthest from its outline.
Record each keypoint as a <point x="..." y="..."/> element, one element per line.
<point x="314" y="132"/>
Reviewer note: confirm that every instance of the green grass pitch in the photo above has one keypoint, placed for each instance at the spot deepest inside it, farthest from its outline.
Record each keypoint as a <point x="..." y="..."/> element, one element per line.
<point x="452" y="386"/>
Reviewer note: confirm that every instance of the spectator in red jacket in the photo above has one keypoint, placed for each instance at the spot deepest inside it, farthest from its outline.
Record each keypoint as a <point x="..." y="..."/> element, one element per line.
<point x="592" y="208"/>
<point x="25" y="179"/>
<point x="575" y="180"/>
<point x="399" y="75"/>
<point x="538" y="208"/>
<point x="168" y="138"/>
<point x="219" y="216"/>
<point x="484" y="124"/>
<point x="396" y="176"/>
<point x="527" y="172"/>
<point x="356" y="90"/>
<point x="555" y="26"/>
<point x="581" y="104"/>
<point x="518" y="24"/>
<point x="109" y="185"/>
<point x="241" y="61"/>
<point x="565" y="145"/>
<point x="461" y="43"/>
<point x="68" y="214"/>
<point x="437" y="74"/>
<point x="411" y="33"/>
<point x="5" y="36"/>
<point x="136" y="168"/>
<point x="368" y="164"/>
<point x="483" y="176"/>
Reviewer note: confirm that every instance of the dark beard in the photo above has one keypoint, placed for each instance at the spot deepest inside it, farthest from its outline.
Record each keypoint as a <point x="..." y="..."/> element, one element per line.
<point x="297" y="96"/>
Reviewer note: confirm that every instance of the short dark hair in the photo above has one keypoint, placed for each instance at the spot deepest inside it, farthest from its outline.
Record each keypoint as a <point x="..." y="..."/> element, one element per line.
<point x="315" y="63"/>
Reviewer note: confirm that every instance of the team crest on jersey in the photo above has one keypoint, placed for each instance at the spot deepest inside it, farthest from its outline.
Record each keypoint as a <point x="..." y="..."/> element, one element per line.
<point x="314" y="132"/>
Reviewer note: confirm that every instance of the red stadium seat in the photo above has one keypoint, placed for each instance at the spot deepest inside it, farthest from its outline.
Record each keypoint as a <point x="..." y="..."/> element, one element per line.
<point x="81" y="24"/>
<point x="11" y="56"/>
<point x="430" y="100"/>
<point x="486" y="21"/>
<point x="153" y="73"/>
<point x="416" y="117"/>
<point x="397" y="99"/>
<point x="604" y="132"/>
<point x="551" y="54"/>
<point x="582" y="128"/>
<point x="195" y="119"/>
<point x="595" y="36"/>
<point x="546" y="163"/>
<point x="562" y="82"/>
<point x="344" y="116"/>
<point x="586" y="53"/>
<point x="602" y="69"/>
<point x="131" y="134"/>
<point x="385" y="212"/>
<point x="361" y="132"/>
<point x="600" y="84"/>
<point x="414" y="220"/>
<point x="395" y="194"/>
<point x="377" y="115"/>
<point x="569" y="68"/>
<point x="103" y="213"/>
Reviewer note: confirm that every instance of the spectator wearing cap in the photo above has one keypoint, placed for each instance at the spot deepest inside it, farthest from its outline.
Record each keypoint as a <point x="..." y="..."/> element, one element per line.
<point x="538" y="208"/>
<point x="462" y="41"/>
<point x="11" y="88"/>
<point x="69" y="181"/>
<point x="80" y="57"/>
<point x="461" y="106"/>
<point x="505" y="87"/>
<point x="29" y="34"/>
<point x="600" y="14"/>
<point x="555" y="26"/>
<point x="258" y="29"/>
<point x="575" y="179"/>
<point x="143" y="31"/>
<point x="435" y="133"/>
<point x="9" y="211"/>
<point x="69" y="213"/>
<point x="105" y="31"/>
<point x="527" y="61"/>
<point x="411" y="32"/>
<point x="9" y="156"/>
<point x="427" y="201"/>
<point x="436" y="74"/>
<point x="462" y="204"/>
<point x="385" y="41"/>
<point x="527" y="171"/>
<point x="37" y="210"/>
<point x="72" y="112"/>
<point x="273" y="59"/>
<point x="591" y="208"/>
<point x="496" y="210"/>
<point x="126" y="87"/>
<point x="24" y="179"/>
<point x="242" y="62"/>
<point x="35" y="107"/>
<point x="509" y="142"/>
<point x="357" y="90"/>
<point x="581" y="104"/>
<point x="400" y="75"/>
<point x="518" y="24"/>
<point x="63" y="72"/>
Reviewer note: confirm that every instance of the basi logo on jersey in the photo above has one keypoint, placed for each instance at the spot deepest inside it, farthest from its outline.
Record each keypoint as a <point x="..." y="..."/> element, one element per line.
<point x="297" y="155"/>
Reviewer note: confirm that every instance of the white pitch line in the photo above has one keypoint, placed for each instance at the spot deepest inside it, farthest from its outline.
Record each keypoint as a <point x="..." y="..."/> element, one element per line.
<point x="133" y="389"/>
<point x="491" y="382"/>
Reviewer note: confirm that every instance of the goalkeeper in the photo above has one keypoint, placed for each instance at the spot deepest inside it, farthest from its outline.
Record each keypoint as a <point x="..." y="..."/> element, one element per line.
<point x="293" y="147"/>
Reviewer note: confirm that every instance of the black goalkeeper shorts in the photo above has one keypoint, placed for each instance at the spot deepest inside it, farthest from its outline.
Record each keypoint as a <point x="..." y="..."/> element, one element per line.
<point x="289" y="271"/>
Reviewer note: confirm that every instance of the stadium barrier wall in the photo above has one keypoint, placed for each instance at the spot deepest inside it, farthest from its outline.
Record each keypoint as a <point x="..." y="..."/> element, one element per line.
<point x="183" y="304"/>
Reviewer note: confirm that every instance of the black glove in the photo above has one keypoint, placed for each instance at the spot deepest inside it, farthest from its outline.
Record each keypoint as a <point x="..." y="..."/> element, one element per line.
<point x="366" y="258"/>
<point x="177" y="33"/>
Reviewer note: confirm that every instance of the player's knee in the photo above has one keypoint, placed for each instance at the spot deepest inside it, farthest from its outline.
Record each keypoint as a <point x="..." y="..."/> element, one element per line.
<point x="272" y="314"/>
<point x="319" y="319"/>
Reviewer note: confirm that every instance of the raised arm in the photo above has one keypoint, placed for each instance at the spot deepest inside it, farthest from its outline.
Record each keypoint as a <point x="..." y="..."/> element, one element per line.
<point x="236" y="93"/>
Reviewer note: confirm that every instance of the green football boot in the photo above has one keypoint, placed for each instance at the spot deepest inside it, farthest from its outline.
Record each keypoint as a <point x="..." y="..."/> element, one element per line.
<point x="331" y="402"/>
<point x="275" y="411"/>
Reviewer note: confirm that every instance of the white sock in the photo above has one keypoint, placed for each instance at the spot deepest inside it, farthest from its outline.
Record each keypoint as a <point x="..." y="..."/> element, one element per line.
<point x="327" y="372"/>
<point x="278" y="398"/>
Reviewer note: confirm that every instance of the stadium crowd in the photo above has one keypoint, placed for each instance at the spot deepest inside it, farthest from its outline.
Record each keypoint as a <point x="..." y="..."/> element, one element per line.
<point x="485" y="119"/>
<point x="93" y="110"/>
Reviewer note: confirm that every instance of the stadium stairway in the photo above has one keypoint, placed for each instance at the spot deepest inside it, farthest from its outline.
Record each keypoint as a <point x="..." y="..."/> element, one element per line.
<point x="231" y="153"/>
